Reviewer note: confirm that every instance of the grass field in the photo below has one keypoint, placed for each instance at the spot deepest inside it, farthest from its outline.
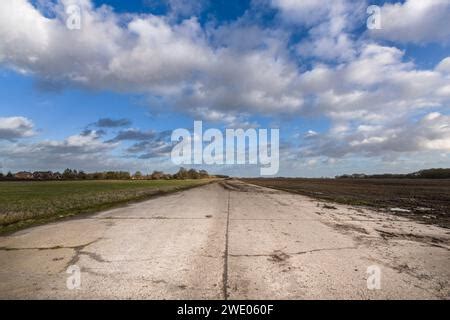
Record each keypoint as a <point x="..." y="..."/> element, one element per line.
<point x="25" y="203"/>
<point x="427" y="200"/>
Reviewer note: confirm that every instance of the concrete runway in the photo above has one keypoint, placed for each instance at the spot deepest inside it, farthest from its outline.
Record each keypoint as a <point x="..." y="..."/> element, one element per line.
<point x="228" y="241"/>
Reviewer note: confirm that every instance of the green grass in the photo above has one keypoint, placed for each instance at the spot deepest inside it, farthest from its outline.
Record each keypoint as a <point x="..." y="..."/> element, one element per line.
<point x="23" y="204"/>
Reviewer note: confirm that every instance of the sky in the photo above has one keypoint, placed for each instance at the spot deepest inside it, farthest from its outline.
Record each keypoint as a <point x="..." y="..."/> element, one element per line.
<point x="107" y="95"/>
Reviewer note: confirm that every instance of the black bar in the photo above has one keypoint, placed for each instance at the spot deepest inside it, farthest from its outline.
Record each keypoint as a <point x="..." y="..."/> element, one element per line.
<point x="264" y="309"/>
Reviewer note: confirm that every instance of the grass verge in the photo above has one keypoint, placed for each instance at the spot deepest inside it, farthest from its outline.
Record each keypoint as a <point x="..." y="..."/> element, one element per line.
<point x="26" y="204"/>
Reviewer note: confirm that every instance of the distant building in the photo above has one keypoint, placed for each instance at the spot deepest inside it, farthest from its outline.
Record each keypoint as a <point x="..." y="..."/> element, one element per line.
<point x="57" y="176"/>
<point x="158" y="175"/>
<point x="23" y="175"/>
<point x="43" y="175"/>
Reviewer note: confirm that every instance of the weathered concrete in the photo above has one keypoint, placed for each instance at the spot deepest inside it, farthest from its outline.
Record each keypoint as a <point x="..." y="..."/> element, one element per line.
<point x="236" y="241"/>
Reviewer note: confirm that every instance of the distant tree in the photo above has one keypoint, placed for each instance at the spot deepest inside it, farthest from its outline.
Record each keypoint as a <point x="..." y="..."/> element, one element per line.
<point x="82" y="175"/>
<point x="110" y="175"/>
<point x="221" y="176"/>
<point x="124" y="175"/>
<point x="98" y="176"/>
<point x="68" y="174"/>
<point x="73" y="174"/>
<point x="157" y="175"/>
<point x="203" y="174"/>
<point x="101" y="175"/>
<point x="193" y="174"/>
<point x="440" y="173"/>
<point x="117" y="175"/>
<point x="433" y="174"/>
<point x="181" y="174"/>
<point x="57" y="176"/>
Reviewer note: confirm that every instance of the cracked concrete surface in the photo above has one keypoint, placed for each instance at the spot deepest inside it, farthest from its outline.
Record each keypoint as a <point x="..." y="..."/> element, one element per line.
<point x="228" y="241"/>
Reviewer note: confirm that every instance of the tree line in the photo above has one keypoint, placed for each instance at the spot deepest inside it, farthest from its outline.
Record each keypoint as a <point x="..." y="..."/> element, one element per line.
<point x="435" y="173"/>
<point x="73" y="174"/>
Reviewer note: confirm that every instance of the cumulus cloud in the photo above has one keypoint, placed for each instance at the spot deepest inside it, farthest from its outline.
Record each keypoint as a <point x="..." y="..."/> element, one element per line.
<point x="430" y="133"/>
<point x="176" y="61"/>
<point x="149" y="54"/>
<point x="328" y="23"/>
<point x="444" y="66"/>
<point x="76" y="144"/>
<point x="78" y="151"/>
<point x="373" y="102"/>
<point x="376" y="86"/>
<point x="312" y="12"/>
<point x="416" y="21"/>
<point x="88" y="151"/>
<point x="12" y="128"/>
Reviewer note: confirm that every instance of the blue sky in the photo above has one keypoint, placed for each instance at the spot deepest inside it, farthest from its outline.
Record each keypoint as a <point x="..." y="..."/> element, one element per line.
<point x="345" y="98"/>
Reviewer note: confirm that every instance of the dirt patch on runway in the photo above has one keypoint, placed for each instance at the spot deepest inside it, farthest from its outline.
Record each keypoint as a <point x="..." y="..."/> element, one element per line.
<point x="279" y="256"/>
<point x="434" y="241"/>
<point x="240" y="186"/>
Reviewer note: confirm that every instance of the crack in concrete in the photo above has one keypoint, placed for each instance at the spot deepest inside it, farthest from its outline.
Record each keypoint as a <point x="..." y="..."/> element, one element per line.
<point x="79" y="251"/>
<point x="47" y="248"/>
<point x="313" y="219"/>
<point x="94" y="256"/>
<point x="225" y="256"/>
<point x="153" y="218"/>
<point x="292" y="253"/>
<point x="155" y="257"/>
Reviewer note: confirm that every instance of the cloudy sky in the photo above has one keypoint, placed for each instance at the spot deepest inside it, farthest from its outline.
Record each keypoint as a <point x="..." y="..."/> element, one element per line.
<point x="108" y="95"/>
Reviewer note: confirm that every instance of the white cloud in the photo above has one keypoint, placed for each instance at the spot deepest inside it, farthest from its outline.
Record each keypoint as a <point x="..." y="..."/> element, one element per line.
<point x="430" y="133"/>
<point x="376" y="86"/>
<point x="417" y="21"/>
<point x="75" y="145"/>
<point x="178" y="62"/>
<point x="15" y="127"/>
<point x="83" y="151"/>
<point x="313" y="12"/>
<point x="147" y="54"/>
<point x="310" y="134"/>
<point x="433" y="132"/>
<point x="444" y="66"/>
<point x="329" y="25"/>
